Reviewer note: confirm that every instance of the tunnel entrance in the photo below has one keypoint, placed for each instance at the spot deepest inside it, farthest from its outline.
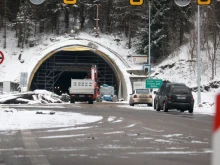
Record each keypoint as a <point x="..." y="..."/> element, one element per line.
<point x="63" y="83"/>
<point x="56" y="72"/>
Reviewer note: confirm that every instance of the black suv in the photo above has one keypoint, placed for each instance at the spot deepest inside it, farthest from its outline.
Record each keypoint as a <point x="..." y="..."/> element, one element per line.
<point x="174" y="95"/>
<point x="160" y="90"/>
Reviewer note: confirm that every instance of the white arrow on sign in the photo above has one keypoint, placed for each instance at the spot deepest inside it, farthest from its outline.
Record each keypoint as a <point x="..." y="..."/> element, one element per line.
<point x="37" y="2"/>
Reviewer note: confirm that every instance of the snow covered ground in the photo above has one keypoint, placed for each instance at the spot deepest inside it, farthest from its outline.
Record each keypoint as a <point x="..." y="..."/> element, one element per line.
<point x="11" y="67"/>
<point x="176" y="68"/>
<point x="207" y="108"/>
<point x="13" y="119"/>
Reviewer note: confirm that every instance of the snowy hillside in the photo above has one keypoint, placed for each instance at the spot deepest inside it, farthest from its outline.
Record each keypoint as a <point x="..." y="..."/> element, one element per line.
<point x="12" y="66"/>
<point x="177" y="68"/>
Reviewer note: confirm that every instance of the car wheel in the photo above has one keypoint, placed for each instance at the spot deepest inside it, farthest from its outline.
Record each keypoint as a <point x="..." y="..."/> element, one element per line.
<point x="72" y="100"/>
<point x="150" y="105"/>
<point x="91" y="101"/>
<point x="182" y="110"/>
<point x="157" y="107"/>
<point x="154" y="105"/>
<point x="165" y="109"/>
<point x="131" y="104"/>
<point x="190" y="110"/>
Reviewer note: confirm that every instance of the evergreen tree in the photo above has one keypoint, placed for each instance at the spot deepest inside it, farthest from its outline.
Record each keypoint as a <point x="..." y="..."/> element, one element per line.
<point x="169" y="23"/>
<point x="126" y="18"/>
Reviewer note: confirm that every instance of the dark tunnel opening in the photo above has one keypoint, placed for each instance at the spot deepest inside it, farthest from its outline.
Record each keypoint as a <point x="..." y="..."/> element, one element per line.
<point x="64" y="82"/>
<point x="58" y="70"/>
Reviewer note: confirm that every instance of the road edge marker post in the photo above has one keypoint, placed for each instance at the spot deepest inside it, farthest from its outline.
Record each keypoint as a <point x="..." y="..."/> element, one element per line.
<point x="216" y="134"/>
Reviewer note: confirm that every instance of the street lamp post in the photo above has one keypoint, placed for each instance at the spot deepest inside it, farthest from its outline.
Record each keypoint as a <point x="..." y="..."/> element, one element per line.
<point x="149" y="46"/>
<point x="183" y="3"/>
<point x="198" y="61"/>
<point x="5" y="28"/>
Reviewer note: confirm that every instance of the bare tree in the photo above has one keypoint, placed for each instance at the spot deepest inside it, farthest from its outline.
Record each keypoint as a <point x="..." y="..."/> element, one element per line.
<point x="192" y="49"/>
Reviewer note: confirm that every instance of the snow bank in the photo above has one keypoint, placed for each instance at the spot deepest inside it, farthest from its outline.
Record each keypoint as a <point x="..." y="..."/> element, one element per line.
<point x="12" y="119"/>
<point x="36" y="97"/>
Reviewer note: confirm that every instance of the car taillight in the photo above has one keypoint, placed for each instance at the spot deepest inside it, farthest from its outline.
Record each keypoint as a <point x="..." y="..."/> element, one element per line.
<point x="192" y="98"/>
<point x="135" y="96"/>
<point x="150" y="96"/>
<point x="169" y="98"/>
<point x="73" y="95"/>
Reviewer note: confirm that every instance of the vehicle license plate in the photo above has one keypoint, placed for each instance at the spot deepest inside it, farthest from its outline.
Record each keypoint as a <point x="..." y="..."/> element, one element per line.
<point x="81" y="95"/>
<point x="181" y="97"/>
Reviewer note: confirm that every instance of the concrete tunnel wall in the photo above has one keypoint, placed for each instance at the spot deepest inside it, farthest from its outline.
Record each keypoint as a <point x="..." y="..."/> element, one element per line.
<point x="81" y="45"/>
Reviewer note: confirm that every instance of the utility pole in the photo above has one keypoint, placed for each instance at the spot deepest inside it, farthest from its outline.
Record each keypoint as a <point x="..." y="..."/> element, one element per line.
<point x="5" y="26"/>
<point x="149" y="36"/>
<point x="198" y="61"/>
<point x="183" y="3"/>
<point x="97" y="20"/>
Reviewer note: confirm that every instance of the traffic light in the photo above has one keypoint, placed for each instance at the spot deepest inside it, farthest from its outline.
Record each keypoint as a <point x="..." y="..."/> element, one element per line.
<point x="70" y="2"/>
<point x="136" y="2"/>
<point x="204" y="2"/>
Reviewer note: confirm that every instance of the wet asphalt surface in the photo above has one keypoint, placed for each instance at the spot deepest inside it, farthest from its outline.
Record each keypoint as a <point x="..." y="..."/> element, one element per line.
<point x="125" y="136"/>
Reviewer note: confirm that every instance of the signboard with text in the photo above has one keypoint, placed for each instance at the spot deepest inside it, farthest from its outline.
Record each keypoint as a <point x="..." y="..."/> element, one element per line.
<point x="153" y="83"/>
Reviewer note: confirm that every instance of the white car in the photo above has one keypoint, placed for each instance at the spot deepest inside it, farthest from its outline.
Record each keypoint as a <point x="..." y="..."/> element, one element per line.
<point x="141" y="96"/>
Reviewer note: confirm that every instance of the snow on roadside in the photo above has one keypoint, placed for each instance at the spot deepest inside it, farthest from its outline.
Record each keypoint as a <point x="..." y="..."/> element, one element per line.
<point x="20" y="120"/>
<point x="207" y="109"/>
<point x="178" y="68"/>
<point x="36" y="97"/>
<point x="207" y="103"/>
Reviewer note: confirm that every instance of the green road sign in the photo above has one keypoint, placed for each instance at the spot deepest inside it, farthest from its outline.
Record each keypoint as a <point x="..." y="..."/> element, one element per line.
<point x="153" y="83"/>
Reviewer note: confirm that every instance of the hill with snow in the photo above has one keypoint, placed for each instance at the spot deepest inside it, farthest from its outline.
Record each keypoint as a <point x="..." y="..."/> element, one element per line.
<point x="176" y="68"/>
<point x="18" y="60"/>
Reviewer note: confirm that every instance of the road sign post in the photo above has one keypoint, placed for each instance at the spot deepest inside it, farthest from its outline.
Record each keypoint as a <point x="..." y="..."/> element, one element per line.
<point x="216" y="134"/>
<point x="153" y="83"/>
<point x="1" y="57"/>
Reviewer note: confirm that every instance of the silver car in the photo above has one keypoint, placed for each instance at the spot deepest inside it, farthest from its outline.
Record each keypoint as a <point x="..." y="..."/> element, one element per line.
<point x="141" y="96"/>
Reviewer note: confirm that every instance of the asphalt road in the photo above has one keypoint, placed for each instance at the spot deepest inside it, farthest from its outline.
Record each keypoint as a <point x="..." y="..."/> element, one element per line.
<point x="124" y="136"/>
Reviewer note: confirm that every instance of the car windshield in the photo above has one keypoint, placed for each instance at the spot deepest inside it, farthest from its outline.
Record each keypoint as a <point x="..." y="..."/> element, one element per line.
<point x="143" y="91"/>
<point x="181" y="91"/>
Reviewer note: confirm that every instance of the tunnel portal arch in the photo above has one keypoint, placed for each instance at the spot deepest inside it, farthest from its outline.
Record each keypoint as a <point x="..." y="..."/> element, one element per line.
<point x="77" y="58"/>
